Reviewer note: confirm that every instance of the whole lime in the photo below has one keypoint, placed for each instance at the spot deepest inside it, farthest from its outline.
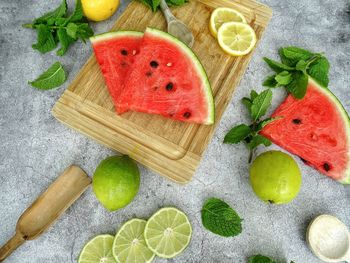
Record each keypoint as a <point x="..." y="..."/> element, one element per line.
<point x="275" y="177"/>
<point x="116" y="181"/>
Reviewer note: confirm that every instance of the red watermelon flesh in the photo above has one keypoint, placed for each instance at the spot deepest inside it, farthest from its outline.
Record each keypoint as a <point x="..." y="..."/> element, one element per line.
<point x="167" y="79"/>
<point x="115" y="53"/>
<point x="317" y="129"/>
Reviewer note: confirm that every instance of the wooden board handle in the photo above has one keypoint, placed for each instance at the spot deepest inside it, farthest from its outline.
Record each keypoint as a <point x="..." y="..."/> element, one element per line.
<point x="10" y="246"/>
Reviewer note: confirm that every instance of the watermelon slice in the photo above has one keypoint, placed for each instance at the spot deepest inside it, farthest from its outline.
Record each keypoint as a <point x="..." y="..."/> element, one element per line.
<point x="317" y="129"/>
<point x="167" y="79"/>
<point x="115" y="53"/>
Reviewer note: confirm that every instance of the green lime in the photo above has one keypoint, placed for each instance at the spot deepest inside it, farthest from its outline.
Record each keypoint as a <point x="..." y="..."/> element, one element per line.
<point x="116" y="181"/>
<point x="98" y="250"/>
<point x="275" y="177"/>
<point x="168" y="232"/>
<point x="129" y="244"/>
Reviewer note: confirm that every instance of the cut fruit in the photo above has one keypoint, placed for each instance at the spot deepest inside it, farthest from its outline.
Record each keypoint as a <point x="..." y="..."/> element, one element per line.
<point x="168" y="79"/>
<point x="97" y="250"/>
<point x="236" y="39"/>
<point x="223" y="15"/>
<point x="129" y="244"/>
<point x="115" y="53"/>
<point x="317" y="129"/>
<point x="168" y="232"/>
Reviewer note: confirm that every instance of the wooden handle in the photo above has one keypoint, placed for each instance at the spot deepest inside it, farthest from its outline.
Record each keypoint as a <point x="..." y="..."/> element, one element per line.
<point x="10" y="246"/>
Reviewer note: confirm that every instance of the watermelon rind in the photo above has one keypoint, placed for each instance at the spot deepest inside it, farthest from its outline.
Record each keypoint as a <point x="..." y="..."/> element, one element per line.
<point x="114" y="34"/>
<point x="346" y="178"/>
<point x="198" y="66"/>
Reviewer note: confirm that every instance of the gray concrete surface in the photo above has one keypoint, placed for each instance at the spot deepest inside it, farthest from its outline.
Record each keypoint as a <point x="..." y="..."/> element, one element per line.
<point x="35" y="148"/>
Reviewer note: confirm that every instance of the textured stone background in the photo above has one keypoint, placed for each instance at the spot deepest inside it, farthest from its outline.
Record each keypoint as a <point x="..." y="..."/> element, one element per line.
<point x="35" y="148"/>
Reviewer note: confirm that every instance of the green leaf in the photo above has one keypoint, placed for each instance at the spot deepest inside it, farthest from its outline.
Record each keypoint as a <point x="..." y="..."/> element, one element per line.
<point x="84" y="31"/>
<point x="219" y="218"/>
<point x="298" y="86"/>
<point x="260" y="259"/>
<point x="237" y="134"/>
<point x="291" y="55"/>
<point x="77" y="14"/>
<point x="58" y="12"/>
<point x="263" y="123"/>
<point x="176" y="2"/>
<point x="247" y="102"/>
<point x="277" y="66"/>
<point x="65" y="41"/>
<point x="302" y="65"/>
<point x="46" y="41"/>
<point x="257" y="140"/>
<point x="53" y="77"/>
<point x="253" y="94"/>
<point x="283" y="78"/>
<point x="270" y="81"/>
<point x="260" y="104"/>
<point x="319" y="70"/>
<point x="61" y="21"/>
<point x="72" y="30"/>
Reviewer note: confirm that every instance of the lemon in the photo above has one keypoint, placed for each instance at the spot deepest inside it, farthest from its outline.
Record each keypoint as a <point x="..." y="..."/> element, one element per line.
<point x="275" y="177"/>
<point x="129" y="245"/>
<point x="168" y="232"/>
<point x="236" y="38"/>
<point x="223" y="15"/>
<point x="116" y="181"/>
<point x="98" y="250"/>
<point x="98" y="10"/>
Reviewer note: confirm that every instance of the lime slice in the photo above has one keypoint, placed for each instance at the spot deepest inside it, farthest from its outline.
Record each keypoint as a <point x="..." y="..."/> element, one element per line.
<point x="168" y="232"/>
<point x="98" y="250"/>
<point x="223" y="15"/>
<point x="237" y="39"/>
<point x="129" y="245"/>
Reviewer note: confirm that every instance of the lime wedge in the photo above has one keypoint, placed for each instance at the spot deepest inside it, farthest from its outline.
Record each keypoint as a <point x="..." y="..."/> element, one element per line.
<point x="168" y="232"/>
<point x="98" y="250"/>
<point x="129" y="245"/>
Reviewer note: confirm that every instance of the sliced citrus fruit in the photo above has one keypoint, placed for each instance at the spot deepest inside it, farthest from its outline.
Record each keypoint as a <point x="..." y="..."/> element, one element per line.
<point x="97" y="250"/>
<point x="129" y="245"/>
<point x="237" y="39"/>
<point x="223" y="15"/>
<point x="168" y="232"/>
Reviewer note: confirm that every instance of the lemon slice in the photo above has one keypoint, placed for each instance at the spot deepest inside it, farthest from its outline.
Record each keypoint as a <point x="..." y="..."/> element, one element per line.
<point x="237" y="39"/>
<point x="97" y="250"/>
<point x="223" y="15"/>
<point x="168" y="232"/>
<point x="129" y="245"/>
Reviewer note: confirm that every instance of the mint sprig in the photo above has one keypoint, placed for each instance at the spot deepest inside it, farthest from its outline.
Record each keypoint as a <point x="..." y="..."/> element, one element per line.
<point x="219" y="218"/>
<point x="293" y="71"/>
<point x="53" y="77"/>
<point x="257" y="105"/>
<point x="154" y="4"/>
<point x="57" y="27"/>
<point x="261" y="259"/>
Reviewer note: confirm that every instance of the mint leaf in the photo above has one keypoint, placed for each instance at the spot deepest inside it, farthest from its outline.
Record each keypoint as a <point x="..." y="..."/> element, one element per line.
<point x="277" y="66"/>
<point x="78" y="14"/>
<point x="257" y="140"/>
<point x="219" y="218"/>
<point x="263" y="123"/>
<point x="319" y="70"/>
<point x="65" y="41"/>
<point x="291" y="55"/>
<point x="260" y="104"/>
<point x="260" y="259"/>
<point x="253" y="94"/>
<point x="53" y="77"/>
<point x="46" y="41"/>
<point x="283" y="78"/>
<point x="302" y="65"/>
<point x="176" y="2"/>
<point x="84" y="31"/>
<point x="237" y="134"/>
<point x="58" y="12"/>
<point x="271" y="81"/>
<point x="247" y="103"/>
<point x="154" y="4"/>
<point x="72" y="30"/>
<point x="298" y="86"/>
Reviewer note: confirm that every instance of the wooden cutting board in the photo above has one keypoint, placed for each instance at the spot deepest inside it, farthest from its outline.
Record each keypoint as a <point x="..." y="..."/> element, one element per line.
<point x="171" y="148"/>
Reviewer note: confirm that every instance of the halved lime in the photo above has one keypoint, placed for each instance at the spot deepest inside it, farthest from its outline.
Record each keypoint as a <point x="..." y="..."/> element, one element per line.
<point x="98" y="250"/>
<point x="168" y="232"/>
<point x="129" y="245"/>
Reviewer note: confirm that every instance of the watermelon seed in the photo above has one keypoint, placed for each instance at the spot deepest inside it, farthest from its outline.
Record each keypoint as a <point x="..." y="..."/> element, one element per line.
<point x="149" y="73"/>
<point x="155" y="88"/>
<point x="169" y="86"/>
<point x="326" y="167"/>
<point x="124" y="52"/>
<point x="169" y="64"/>
<point x="123" y="64"/>
<point x="296" y="121"/>
<point x="154" y="64"/>
<point x="187" y="114"/>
